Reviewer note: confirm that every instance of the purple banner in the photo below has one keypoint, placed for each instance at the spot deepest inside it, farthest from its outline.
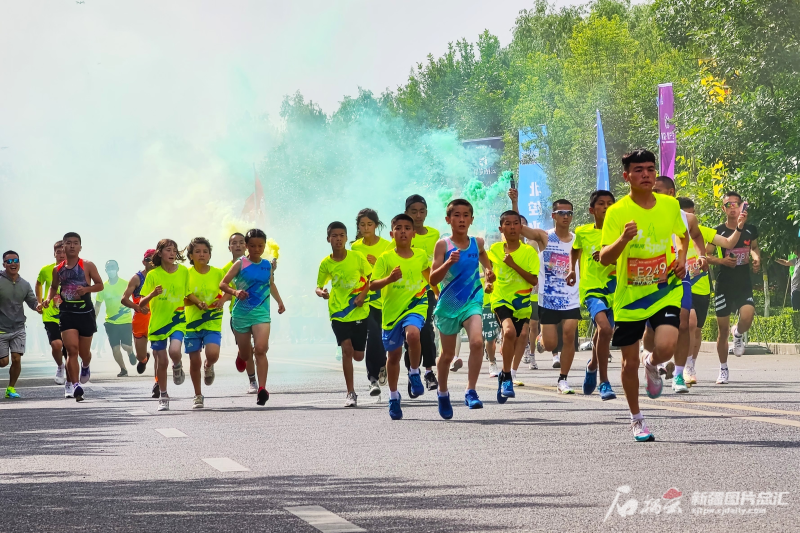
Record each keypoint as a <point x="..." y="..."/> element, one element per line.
<point x="666" y="130"/>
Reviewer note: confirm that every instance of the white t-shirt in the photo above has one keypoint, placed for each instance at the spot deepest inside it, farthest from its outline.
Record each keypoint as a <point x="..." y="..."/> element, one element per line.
<point x="554" y="293"/>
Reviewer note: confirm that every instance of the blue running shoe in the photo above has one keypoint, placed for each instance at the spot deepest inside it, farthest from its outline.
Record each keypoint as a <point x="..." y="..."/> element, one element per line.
<point x="415" y="386"/>
<point x="500" y="398"/>
<point x="445" y="407"/>
<point x="85" y="375"/>
<point x="606" y="393"/>
<point x="394" y="409"/>
<point x="507" y="388"/>
<point x="589" y="380"/>
<point x="78" y="393"/>
<point x="471" y="400"/>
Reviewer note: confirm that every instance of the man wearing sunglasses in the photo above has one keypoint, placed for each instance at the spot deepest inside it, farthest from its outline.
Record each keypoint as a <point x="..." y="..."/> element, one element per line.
<point x="734" y="290"/>
<point x="141" y="316"/>
<point x="14" y="291"/>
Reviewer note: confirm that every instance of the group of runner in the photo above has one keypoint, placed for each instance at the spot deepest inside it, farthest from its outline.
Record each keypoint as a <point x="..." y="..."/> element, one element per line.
<point x="640" y="270"/>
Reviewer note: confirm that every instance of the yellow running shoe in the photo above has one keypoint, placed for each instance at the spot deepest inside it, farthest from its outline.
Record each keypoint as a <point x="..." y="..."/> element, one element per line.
<point x="11" y="393"/>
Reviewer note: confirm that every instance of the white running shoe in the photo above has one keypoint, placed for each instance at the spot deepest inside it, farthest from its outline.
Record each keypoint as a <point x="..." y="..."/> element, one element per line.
<point x="564" y="388"/>
<point x="351" y="400"/>
<point x="163" y="403"/>
<point x="197" y="403"/>
<point x="533" y="365"/>
<point x="723" y="376"/>
<point x="526" y="357"/>
<point x="178" y="376"/>
<point x="738" y="342"/>
<point x="556" y="360"/>
<point x="69" y="390"/>
<point x="539" y="345"/>
<point x="252" y="388"/>
<point x="493" y="372"/>
<point x="374" y="388"/>
<point x="382" y="376"/>
<point x="61" y="375"/>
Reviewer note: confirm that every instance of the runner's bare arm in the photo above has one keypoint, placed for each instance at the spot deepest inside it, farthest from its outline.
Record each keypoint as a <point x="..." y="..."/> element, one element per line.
<point x="133" y="284"/>
<point x="225" y="284"/>
<point x="53" y="288"/>
<point x="755" y="253"/>
<point x="440" y="266"/>
<point x="275" y="294"/>
<point x="574" y="257"/>
<point x="94" y="277"/>
<point x="483" y="257"/>
<point x="539" y="236"/>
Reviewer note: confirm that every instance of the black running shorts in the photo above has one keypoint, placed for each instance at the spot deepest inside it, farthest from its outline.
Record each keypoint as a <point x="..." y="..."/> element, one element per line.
<point x="627" y="333"/>
<point x="700" y="305"/>
<point x="85" y="323"/>
<point x="503" y="312"/>
<point x="553" y="316"/>
<point x="356" y="331"/>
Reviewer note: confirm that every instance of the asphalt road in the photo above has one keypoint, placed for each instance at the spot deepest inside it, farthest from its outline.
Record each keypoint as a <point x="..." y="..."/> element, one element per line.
<point x="539" y="462"/>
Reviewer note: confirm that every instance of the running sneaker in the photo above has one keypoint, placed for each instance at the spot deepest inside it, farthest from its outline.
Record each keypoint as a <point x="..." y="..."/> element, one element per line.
<point x="178" y="375"/>
<point x="564" y="388"/>
<point x="11" y="392"/>
<point x="485" y="354"/>
<point x="738" y="342"/>
<point x="132" y="358"/>
<point x="69" y="390"/>
<point x="61" y="375"/>
<point x="156" y="390"/>
<point x="589" y="380"/>
<point x="415" y="387"/>
<point x="507" y="387"/>
<point x="208" y="375"/>
<point x="679" y="385"/>
<point x="252" y="388"/>
<point x="241" y="365"/>
<point x="141" y="367"/>
<point x="78" y="393"/>
<point x="471" y="399"/>
<point x="533" y="365"/>
<point x="641" y="433"/>
<point x="351" y="400"/>
<point x="669" y="370"/>
<point x="197" y="403"/>
<point x="445" y="407"/>
<point x="539" y="345"/>
<point x="263" y="396"/>
<point x="457" y="363"/>
<point x="382" y="376"/>
<point x="493" y="372"/>
<point x="122" y="373"/>
<point x="690" y="376"/>
<point x="654" y="382"/>
<point x="723" y="376"/>
<point x="606" y="393"/>
<point x="339" y="353"/>
<point x="163" y="403"/>
<point x="556" y="360"/>
<point x="374" y="388"/>
<point x="518" y="382"/>
<point x="86" y="374"/>
<point x="526" y="357"/>
<point x="431" y="383"/>
<point x="395" y="412"/>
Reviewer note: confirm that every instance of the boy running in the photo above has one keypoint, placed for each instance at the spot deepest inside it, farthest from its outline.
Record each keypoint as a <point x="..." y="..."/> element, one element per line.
<point x="456" y="262"/>
<point x="141" y="318"/>
<point x="597" y="286"/>
<point x="51" y="314"/>
<point x="203" y="317"/>
<point x="73" y="281"/>
<point x="250" y="318"/>
<point x="237" y="248"/>
<point x="402" y="274"/>
<point x="637" y="237"/>
<point x="118" y="317"/>
<point x="13" y="292"/>
<point x="515" y="266"/>
<point x="348" y="273"/>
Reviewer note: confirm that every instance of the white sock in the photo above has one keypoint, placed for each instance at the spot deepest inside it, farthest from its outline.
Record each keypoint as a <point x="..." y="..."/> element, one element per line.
<point x="443" y="393"/>
<point x="723" y="366"/>
<point x="84" y="365"/>
<point x="412" y="371"/>
<point x="513" y="374"/>
<point x="394" y="395"/>
<point x="637" y="416"/>
<point x="678" y="370"/>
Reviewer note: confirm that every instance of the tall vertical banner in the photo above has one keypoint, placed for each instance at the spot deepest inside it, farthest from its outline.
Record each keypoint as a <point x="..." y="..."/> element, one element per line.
<point x="602" y="157"/>
<point x="666" y="130"/>
<point x="534" y="193"/>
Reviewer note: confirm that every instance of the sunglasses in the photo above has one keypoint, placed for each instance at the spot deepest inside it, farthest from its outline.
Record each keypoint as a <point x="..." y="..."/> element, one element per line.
<point x="731" y="204"/>
<point x="563" y="213"/>
<point x="13" y="261"/>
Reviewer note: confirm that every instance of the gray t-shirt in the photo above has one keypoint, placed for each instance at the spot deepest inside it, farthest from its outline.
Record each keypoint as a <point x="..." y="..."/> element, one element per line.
<point x="796" y="275"/>
<point x="12" y="295"/>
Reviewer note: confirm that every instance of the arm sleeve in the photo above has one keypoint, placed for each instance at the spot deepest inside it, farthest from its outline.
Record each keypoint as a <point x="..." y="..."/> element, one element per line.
<point x="322" y="275"/>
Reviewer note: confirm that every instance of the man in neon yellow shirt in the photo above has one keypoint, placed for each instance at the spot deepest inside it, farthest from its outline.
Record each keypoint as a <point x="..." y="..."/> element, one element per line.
<point x="51" y="314"/>
<point x="348" y="273"/>
<point x="402" y="274"/>
<point x="637" y="237"/>
<point x="118" y="317"/>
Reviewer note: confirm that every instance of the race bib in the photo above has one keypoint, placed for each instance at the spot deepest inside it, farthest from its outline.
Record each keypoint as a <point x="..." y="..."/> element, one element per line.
<point x="692" y="267"/>
<point x="742" y="255"/>
<point x="647" y="271"/>
<point x="557" y="265"/>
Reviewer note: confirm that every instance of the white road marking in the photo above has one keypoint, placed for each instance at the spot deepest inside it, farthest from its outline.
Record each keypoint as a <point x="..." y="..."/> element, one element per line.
<point x="138" y="412"/>
<point x="322" y="519"/>
<point x="171" y="433"/>
<point x="223" y="464"/>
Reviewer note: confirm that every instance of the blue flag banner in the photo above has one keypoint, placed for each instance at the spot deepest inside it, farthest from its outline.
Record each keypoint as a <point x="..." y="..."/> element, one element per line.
<point x="534" y="193"/>
<point x="602" y="158"/>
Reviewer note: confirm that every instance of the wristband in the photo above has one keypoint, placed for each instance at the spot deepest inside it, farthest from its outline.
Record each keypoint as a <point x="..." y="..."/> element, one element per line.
<point x="703" y="257"/>
<point x="740" y="230"/>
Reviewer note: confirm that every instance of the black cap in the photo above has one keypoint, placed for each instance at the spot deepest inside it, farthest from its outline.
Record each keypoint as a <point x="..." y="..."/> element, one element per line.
<point x="415" y="198"/>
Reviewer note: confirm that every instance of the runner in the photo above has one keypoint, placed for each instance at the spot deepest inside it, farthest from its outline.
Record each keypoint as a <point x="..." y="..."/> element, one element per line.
<point x="456" y="263"/>
<point x="529" y="355"/>
<point x="13" y="292"/>
<point x="373" y="246"/>
<point x="402" y="274"/>
<point x="141" y="318"/>
<point x="73" y="281"/>
<point x="597" y="286"/>
<point x="255" y="281"/>
<point x="734" y="290"/>
<point x="491" y="329"/>
<point x="51" y="314"/>
<point x="204" y="317"/>
<point x="118" y="317"/>
<point x="793" y="262"/>
<point x="425" y="238"/>
<point x="515" y="266"/>
<point x="348" y="273"/>
<point x="237" y="248"/>
<point x="637" y="236"/>
<point x="166" y="287"/>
